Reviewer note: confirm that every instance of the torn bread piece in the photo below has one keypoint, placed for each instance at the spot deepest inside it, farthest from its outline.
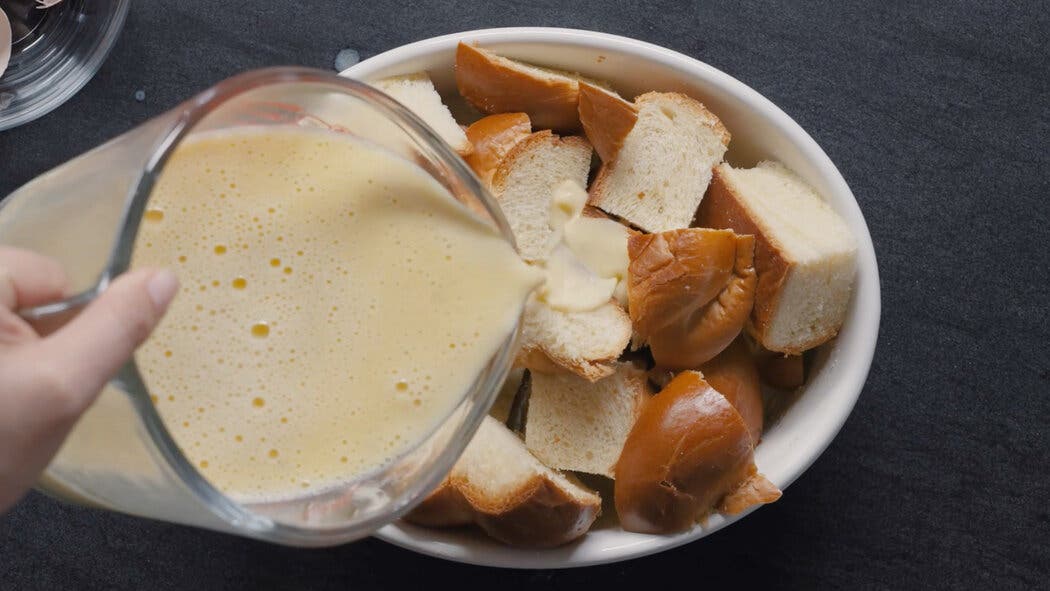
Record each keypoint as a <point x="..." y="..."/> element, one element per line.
<point x="690" y="292"/>
<point x="417" y="93"/>
<point x="575" y="424"/>
<point x="495" y="84"/>
<point x="524" y="184"/>
<point x="510" y="494"/>
<point x="662" y="170"/>
<point x="688" y="454"/>
<point x="607" y="119"/>
<point x="805" y="254"/>
<point x="493" y="137"/>
<point x="584" y="343"/>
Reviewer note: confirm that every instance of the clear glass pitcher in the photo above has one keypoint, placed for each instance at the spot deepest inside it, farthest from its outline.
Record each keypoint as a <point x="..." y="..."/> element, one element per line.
<point x="86" y="214"/>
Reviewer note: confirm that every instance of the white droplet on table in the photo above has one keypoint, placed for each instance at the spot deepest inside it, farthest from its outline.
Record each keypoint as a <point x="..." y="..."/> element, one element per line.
<point x="346" y="58"/>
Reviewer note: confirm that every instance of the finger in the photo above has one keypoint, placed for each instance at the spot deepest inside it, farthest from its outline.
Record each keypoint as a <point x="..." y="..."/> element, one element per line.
<point x="91" y="348"/>
<point x="14" y="330"/>
<point x="29" y="279"/>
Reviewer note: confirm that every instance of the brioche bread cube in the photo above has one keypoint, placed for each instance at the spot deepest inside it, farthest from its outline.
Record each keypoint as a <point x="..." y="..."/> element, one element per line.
<point x="417" y="92"/>
<point x="524" y="183"/>
<point x="664" y="165"/>
<point x="805" y="254"/>
<point x="575" y="424"/>
<point x="510" y="494"/>
<point x="582" y="342"/>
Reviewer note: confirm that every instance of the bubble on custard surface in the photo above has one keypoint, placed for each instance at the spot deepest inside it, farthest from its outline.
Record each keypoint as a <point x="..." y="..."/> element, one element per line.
<point x="220" y="249"/>
<point x="260" y="329"/>
<point x="240" y="283"/>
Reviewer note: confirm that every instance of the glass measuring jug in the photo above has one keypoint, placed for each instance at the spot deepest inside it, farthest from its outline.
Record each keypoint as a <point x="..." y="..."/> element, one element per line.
<point x="86" y="214"/>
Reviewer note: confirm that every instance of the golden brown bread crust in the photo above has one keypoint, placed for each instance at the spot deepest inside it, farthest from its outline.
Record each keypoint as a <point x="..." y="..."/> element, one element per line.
<point x="785" y="372"/>
<point x="690" y="292"/>
<point x="493" y="137"/>
<point x="533" y="358"/>
<point x="687" y="451"/>
<point x="733" y="373"/>
<point x="606" y="119"/>
<point x="445" y="507"/>
<point x="542" y="516"/>
<point x="756" y="490"/>
<point x="497" y="85"/>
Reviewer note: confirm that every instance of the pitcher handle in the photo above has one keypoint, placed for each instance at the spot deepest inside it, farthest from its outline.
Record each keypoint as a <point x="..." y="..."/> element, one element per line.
<point x="61" y="311"/>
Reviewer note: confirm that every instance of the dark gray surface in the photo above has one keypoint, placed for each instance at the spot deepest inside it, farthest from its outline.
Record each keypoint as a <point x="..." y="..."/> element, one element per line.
<point x="937" y="116"/>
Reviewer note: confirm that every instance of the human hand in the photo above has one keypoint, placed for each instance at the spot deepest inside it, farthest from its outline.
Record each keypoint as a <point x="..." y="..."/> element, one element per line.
<point x="48" y="381"/>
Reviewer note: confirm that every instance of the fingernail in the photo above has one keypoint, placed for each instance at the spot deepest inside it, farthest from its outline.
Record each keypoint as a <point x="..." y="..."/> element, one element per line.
<point x="162" y="287"/>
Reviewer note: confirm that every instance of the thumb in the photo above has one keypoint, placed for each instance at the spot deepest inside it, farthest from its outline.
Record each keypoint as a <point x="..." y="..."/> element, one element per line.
<point x="94" y="344"/>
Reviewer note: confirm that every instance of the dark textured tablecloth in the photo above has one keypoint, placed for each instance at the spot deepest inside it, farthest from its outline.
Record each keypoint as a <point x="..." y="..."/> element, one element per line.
<point x="937" y="115"/>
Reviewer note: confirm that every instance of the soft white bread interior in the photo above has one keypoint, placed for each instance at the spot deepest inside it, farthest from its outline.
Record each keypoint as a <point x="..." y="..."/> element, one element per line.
<point x="524" y="184"/>
<point x="664" y="166"/>
<point x="575" y="424"/>
<point x="805" y="254"/>
<point x="417" y="92"/>
<point x="582" y="342"/>
<point x="495" y="84"/>
<point x="512" y="495"/>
